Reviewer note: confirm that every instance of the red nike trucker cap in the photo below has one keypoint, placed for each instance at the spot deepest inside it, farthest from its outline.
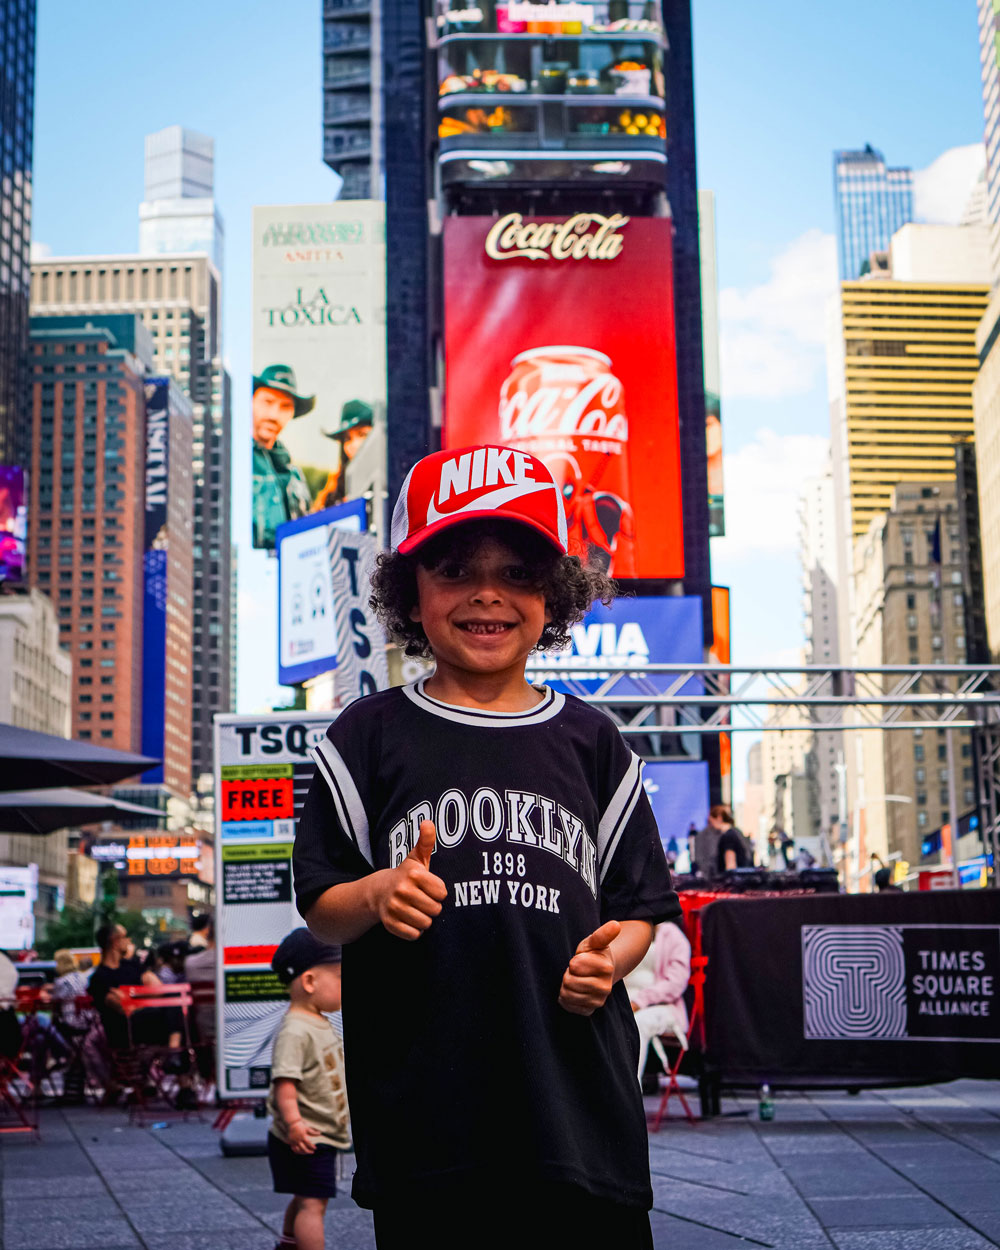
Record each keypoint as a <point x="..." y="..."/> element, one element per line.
<point x="474" y="483"/>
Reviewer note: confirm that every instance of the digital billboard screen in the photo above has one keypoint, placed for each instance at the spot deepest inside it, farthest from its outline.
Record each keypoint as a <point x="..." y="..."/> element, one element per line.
<point x="319" y="358"/>
<point x="13" y="523"/>
<point x="627" y="634"/>
<point x="560" y="341"/>
<point x="154" y="574"/>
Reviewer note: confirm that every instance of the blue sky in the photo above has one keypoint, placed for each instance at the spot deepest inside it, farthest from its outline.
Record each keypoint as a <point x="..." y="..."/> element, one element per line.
<point x="779" y="85"/>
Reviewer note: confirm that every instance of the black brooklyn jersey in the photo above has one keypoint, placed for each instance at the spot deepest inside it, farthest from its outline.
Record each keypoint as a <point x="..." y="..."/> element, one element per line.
<point x="459" y="1059"/>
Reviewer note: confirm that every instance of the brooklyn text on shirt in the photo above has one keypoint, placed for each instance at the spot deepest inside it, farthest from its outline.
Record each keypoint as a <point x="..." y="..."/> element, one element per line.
<point x="517" y="818"/>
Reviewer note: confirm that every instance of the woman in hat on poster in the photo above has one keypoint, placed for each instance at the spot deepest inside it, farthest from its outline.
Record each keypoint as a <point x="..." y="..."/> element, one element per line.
<point x="280" y="491"/>
<point x="356" y="418"/>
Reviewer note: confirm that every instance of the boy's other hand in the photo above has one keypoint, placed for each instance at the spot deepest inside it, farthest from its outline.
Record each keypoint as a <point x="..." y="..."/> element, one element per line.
<point x="411" y="895"/>
<point x="587" y="981"/>
<point x="300" y="1137"/>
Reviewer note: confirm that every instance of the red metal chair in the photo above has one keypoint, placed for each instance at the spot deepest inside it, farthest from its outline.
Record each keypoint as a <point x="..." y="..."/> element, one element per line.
<point x="699" y="963"/>
<point x="18" y="1096"/>
<point x="148" y="1069"/>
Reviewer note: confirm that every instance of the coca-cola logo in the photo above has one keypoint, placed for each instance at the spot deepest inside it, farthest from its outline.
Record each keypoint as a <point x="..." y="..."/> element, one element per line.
<point x="585" y="236"/>
<point x="596" y="408"/>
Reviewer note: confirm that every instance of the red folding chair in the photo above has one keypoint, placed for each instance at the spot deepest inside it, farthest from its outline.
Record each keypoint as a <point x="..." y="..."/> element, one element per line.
<point x="18" y="1096"/>
<point x="698" y="964"/>
<point x="145" y="1066"/>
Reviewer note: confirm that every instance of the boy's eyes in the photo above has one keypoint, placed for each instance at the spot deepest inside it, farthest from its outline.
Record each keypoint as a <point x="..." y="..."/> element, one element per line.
<point x="452" y="570"/>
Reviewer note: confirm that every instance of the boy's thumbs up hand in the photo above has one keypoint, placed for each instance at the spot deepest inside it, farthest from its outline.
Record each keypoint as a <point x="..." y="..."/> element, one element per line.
<point x="410" y="896"/>
<point x="587" y="981"/>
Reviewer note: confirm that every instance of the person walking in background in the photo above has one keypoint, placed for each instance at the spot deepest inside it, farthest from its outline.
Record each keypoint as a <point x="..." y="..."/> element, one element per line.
<point x="307" y="1101"/>
<point x="733" y="849"/>
<point x="779" y="843"/>
<point x="720" y="846"/>
<point x="198" y="937"/>
<point x="199" y="970"/>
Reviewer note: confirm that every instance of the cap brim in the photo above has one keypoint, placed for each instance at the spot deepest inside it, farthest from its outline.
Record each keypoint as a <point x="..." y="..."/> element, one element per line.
<point x="417" y="540"/>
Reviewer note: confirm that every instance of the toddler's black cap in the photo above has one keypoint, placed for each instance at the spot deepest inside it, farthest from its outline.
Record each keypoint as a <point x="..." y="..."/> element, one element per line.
<point x="299" y="952"/>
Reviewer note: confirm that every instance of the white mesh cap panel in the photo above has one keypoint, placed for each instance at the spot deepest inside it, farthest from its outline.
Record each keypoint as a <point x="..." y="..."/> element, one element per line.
<point x="401" y="514"/>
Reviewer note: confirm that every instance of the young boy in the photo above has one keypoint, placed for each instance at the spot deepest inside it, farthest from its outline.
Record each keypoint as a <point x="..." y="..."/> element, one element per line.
<point x="308" y="1098"/>
<point x="486" y="850"/>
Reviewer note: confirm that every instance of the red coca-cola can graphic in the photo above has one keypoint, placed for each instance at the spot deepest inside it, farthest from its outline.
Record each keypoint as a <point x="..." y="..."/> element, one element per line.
<point x="566" y="406"/>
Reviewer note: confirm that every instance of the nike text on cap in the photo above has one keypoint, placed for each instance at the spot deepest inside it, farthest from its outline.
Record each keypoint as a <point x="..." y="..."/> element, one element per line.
<point x="472" y="483"/>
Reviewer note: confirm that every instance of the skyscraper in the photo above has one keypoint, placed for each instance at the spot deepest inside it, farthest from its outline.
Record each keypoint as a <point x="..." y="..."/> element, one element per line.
<point x="872" y="202"/>
<point x="989" y="60"/>
<point x="909" y="365"/>
<point x="911" y="593"/>
<point x="86" y="510"/>
<point x="353" y="128"/>
<point x="818" y="552"/>
<point x="178" y="299"/>
<point x="178" y="212"/>
<point x="17" y="93"/>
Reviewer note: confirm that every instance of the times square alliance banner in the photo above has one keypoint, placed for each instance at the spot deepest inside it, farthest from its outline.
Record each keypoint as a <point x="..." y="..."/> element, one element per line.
<point x="319" y="356"/>
<point x="560" y="341"/>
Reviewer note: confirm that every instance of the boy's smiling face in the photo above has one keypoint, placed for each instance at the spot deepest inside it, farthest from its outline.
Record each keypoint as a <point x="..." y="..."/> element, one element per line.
<point x="482" y="613"/>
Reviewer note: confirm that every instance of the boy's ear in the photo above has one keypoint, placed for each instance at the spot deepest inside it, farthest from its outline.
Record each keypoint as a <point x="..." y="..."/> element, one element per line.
<point x="415" y="612"/>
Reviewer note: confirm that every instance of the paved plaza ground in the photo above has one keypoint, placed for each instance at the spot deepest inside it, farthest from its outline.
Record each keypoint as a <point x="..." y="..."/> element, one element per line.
<point x="915" y="1169"/>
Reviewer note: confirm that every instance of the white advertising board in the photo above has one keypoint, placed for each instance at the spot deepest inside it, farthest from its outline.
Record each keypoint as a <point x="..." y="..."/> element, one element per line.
<point x="324" y="619"/>
<point x="262" y="775"/>
<point x="18" y="892"/>
<point x="319" y="354"/>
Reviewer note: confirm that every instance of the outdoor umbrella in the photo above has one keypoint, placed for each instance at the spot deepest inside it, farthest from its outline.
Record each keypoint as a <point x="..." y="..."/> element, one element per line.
<point x="34" y="759"/>
<point x="42" y="811"/>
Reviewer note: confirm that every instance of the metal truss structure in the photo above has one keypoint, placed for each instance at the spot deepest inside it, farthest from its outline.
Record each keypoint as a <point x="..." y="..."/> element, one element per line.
<point x="702" y="698"/>
<point x="655" y="704"/>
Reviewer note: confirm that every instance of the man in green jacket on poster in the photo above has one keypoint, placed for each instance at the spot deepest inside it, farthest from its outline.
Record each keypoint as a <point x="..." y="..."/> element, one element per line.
<point x="280" y="492"/>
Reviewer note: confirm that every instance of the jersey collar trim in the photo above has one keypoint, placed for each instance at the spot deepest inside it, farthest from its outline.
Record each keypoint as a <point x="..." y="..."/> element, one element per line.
<point x="551" y="705"/>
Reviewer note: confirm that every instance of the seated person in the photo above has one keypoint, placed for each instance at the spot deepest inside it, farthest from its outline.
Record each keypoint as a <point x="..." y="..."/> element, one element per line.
<point x="656" y="988"/>
<point x="154" y="1025"/>
<point x="151" y="1026"/>
<point x="69" y="986"/>
<point x="167" y="961"/>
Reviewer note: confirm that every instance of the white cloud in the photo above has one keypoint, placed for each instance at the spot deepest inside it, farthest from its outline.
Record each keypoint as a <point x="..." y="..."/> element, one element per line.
<point x="40" y="251"/>
<point x="772" y="335"/>
<point x="941" y="191"/>
<point x="763" y="482"/>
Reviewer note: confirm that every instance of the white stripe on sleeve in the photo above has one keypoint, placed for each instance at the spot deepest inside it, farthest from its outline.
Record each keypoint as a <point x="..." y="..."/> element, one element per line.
<point x="618" y="813"/>
<point x="350" y="809"/>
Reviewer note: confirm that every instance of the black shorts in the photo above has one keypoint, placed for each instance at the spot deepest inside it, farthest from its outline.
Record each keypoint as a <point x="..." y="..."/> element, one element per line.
<point x="306" y="1176"/>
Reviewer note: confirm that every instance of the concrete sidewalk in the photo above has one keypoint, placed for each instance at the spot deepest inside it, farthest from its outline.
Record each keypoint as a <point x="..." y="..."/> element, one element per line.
<point x="901" y="1170"/>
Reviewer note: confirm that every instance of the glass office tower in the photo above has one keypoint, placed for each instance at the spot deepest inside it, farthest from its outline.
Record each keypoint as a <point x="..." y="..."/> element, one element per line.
<point x="872" y="202"/>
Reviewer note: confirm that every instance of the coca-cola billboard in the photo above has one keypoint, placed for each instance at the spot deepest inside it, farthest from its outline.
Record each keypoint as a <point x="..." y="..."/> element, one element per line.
<point x="559" y="340"/>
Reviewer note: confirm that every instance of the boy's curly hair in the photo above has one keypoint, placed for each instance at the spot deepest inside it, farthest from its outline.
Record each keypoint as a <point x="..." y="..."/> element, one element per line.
<point x="570" y="586"/>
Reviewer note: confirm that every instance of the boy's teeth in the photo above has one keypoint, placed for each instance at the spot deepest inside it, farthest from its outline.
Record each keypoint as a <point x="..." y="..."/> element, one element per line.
<point x="485" y="629"/>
